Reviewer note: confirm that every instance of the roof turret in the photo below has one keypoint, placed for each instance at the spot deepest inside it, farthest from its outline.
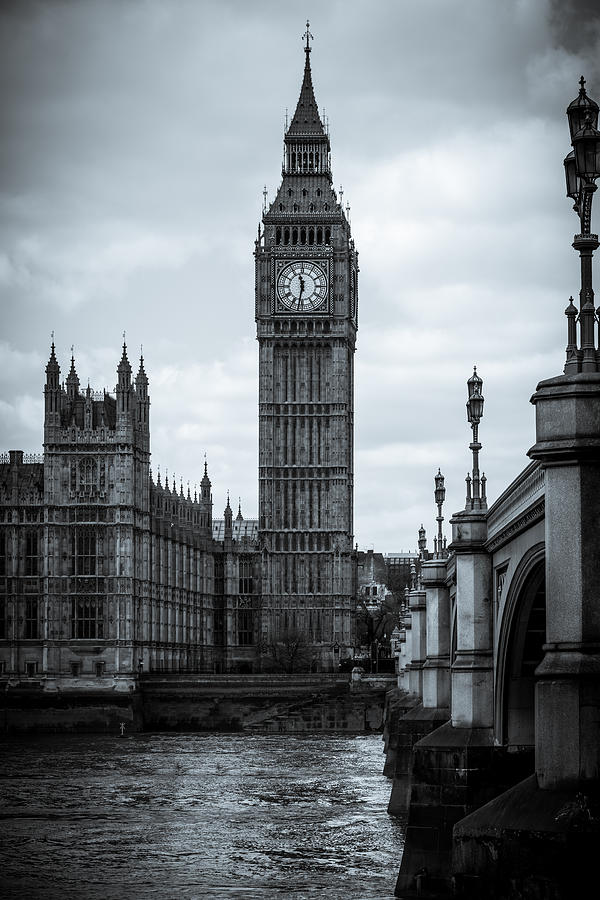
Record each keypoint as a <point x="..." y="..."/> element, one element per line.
<point x="72" y="379"/>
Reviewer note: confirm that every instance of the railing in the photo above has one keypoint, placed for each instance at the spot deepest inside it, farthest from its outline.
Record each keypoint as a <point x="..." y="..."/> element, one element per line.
<point x="20" y="457"/>
<point x="524" y="491"/>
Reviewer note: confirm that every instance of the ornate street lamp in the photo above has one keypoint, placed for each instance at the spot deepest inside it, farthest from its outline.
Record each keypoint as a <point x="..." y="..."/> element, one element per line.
<point x="582" y="168"/>
<point x="422" y="543"/>
<point x="476" y="498"/>
<point x="440" y="496"/>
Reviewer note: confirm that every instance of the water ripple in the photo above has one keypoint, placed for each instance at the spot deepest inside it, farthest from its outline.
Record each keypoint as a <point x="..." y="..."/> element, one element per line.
<point x="234" y="816"/>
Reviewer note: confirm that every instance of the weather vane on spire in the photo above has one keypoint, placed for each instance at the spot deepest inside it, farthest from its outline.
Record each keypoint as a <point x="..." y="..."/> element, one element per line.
<point x="307" y="36"/>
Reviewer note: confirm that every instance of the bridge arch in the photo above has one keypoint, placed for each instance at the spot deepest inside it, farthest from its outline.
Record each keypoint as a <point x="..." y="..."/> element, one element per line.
<point x="522" y="634"/>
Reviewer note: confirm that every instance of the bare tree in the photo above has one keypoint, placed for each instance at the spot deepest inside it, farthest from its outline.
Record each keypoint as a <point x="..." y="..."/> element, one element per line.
<point x="290" y="652"/>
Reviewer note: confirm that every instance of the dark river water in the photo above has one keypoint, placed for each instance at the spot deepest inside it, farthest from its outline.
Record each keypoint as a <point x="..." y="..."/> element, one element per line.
<point x="189" y="815"/>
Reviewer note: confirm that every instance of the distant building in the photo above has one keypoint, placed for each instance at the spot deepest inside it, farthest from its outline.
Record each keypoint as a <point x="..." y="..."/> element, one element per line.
<point x="372" y="578"/>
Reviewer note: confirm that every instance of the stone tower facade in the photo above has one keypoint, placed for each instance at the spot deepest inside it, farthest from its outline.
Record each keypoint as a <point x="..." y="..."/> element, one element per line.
<point x="106" y="573"/>
<point x="306" y="315"/>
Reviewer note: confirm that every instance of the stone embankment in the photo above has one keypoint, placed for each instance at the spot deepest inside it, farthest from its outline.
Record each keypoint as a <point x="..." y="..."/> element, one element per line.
<point x="253" y="703"/>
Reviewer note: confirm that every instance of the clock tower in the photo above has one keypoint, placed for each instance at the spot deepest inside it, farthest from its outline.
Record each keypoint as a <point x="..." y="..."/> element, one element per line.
<point x="306" y="317"/>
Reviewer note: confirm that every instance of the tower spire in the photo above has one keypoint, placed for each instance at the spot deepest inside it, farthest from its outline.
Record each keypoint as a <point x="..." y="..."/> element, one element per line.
<point x="307" y="145"/>
<point x="72" y="378"/>
<point x="306" y="119"/>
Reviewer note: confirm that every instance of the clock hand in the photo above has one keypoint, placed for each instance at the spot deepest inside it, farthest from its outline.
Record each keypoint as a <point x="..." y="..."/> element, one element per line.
<point x="301" y="287"/>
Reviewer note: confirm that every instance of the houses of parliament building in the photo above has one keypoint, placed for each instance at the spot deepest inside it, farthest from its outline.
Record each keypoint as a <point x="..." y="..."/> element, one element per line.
<point x="106" y="572"/>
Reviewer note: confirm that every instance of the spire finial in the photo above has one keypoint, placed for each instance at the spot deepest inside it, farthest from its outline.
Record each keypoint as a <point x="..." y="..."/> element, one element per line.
<point x="307" y="36"/>
<point x="265" y="193"/>
<point x="124" y="341"/>
<point x="582" y="83"/>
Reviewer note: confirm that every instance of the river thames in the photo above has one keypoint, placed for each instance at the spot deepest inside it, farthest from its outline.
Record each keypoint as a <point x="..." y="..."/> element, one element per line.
<point x="197" y="815"/>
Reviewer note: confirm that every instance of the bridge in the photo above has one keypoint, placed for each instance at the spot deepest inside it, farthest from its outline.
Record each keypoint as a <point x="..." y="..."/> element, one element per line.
<point x="493" y="737"/>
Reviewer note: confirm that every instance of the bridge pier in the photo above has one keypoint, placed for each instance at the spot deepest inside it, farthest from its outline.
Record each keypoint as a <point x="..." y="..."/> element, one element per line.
<point x="453" y="767"/>
<point x="431" y="678"/>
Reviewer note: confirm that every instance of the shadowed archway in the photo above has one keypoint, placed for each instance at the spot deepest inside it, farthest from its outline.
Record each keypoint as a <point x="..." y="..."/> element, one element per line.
<point x="523" y="633"/>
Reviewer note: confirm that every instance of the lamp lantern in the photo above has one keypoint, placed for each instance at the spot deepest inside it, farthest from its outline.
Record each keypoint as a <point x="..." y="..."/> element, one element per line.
<point x="474" y="383"/>
<point x="571" y="176"/>
<point x="579" y="108"/>
<point x="586" y="144"/>
<point x="475" y="407"/>
<point x="440" y="490"/>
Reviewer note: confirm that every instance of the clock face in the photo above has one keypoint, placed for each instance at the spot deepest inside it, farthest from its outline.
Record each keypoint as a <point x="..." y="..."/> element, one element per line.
<point x="302" y="286"/>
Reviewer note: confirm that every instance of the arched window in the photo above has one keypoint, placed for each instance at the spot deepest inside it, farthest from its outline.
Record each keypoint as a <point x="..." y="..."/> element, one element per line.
<point x="304" y="192"/>
<point x="286" y="236"/>
<point x="311" y="235"/>
<point x="294" y="235"/>
<point x="290" y="192"/>
<point x="319" y="235"/>
<point x="318" y="192"/>
<point x="278" y="235"/>
<point x="303" y="235"/>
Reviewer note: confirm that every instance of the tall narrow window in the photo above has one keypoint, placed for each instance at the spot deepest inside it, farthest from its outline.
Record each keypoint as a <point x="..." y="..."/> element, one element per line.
<point x="87" y="617"/>
<point x="3" y="543"/>
<point x="245" y="627"/>
<point x="84" y="552"/>
<point x="245" y="576"/>
<point x="88" y="470"/>
<point x="2" y="619"/>
<point x="31" y="553"/>
<point x="219" y="576"/>
<point x="31" y="619"/>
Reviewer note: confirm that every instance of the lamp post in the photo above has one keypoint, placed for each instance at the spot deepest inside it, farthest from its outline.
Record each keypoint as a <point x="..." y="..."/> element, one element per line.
<point x="582" y="168"/>
<point x="422" y="543"/>
<point x="440" y="496"/>
<point x="476" y="498"/>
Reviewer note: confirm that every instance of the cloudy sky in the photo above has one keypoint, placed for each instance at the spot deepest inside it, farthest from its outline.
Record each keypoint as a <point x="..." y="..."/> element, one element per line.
<point x="137" y="137"/>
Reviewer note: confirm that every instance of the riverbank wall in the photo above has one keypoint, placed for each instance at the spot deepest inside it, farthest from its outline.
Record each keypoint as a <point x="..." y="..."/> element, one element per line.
<point x="228" y="703"/>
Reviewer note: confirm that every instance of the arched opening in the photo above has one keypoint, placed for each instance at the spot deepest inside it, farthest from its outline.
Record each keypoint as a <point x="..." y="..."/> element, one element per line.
<point x="520" y="652"/>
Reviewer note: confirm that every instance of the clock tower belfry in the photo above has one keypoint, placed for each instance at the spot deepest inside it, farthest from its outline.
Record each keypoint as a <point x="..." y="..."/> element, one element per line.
<point x="306" y="316"/>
